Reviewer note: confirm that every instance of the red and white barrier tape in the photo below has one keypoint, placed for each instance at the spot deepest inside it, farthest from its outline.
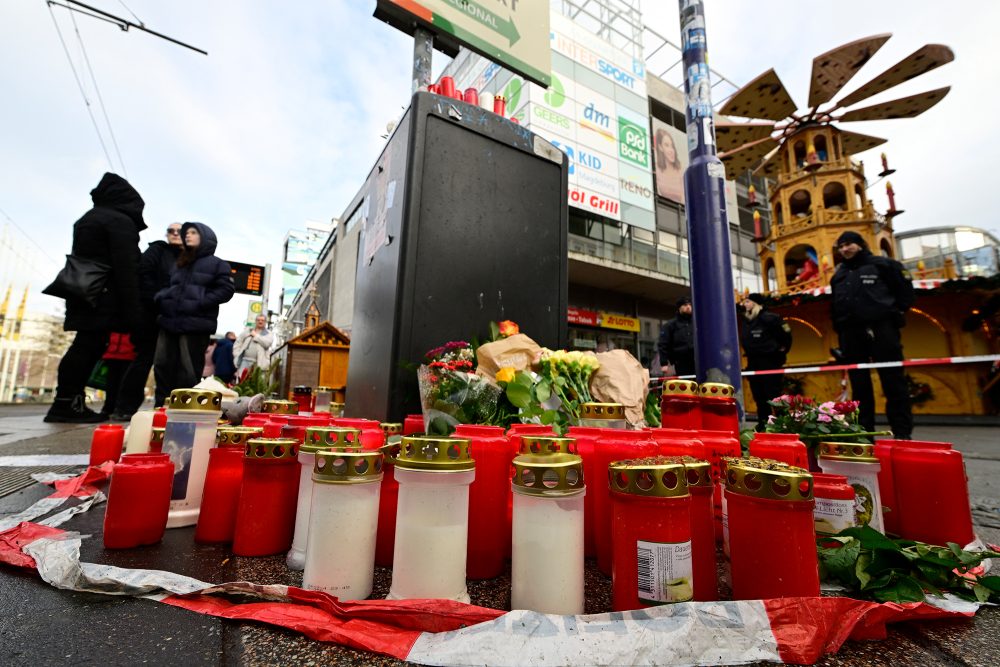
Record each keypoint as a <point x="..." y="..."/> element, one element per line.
<point x="443" y="632"/>
<point x="933" y="361"/>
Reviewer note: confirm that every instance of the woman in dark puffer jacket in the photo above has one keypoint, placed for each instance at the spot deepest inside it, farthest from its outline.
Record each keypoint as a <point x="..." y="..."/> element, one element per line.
<point x="189" y="308"/>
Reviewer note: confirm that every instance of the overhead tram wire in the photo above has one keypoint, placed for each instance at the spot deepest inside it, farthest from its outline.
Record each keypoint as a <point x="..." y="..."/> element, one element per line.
<point x="97" y="91"/>
<point x="79" y="84"/>
<point x="27" y="236"/>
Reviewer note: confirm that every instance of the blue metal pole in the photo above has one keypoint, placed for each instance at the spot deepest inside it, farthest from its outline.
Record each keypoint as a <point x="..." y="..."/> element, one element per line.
<point x="717" y="352"/>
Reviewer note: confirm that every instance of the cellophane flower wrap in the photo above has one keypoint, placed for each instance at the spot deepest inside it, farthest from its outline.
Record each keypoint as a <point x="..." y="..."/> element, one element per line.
<point x="814" y="421"/>
<point x="451" y="393"/>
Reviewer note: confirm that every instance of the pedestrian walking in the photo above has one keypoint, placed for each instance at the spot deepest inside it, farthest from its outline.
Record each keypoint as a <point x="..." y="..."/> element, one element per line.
<point x="189" y="308"/>
<point x="118" y="357"/>
<point x="155" y="266"/>
<point x="766" y="338"/>
<point x="870" y="298"/>
<point x="225" y="368"/>
<point x="676" y="344"/>
<point x="106" y="244"/>
<point x="251" y="348"/>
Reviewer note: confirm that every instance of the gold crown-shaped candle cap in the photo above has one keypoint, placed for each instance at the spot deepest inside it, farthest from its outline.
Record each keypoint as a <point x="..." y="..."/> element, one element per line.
<point x="764" y="478"/>
<point x="346" y="465"/>
<point x="848" y="451"/>
<point x="390" y="452"/>
<point x="195" y="399"/>
<point x="322" y="388"/>
<point x="336" y="409"/>
<point x="553" y="474"/>
<point x="271" y="449"/>
<point x="236" y="436"/>
<point x="434" y="454"/>
<point x="679" y="388"/>
<point x="655" y="477"/>
<point x="715" y="390"/>
<point x="391" y="428"/>
<point x="318" y="438"/>
<point x="546" y="444"/>
<point x="602" y="411"/>
<point x="157" y="435"/>
<point x="280" y="407"/>
<point x="699" y="471"/>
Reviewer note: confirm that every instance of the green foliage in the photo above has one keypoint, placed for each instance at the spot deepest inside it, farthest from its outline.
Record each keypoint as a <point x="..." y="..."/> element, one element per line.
<point x="259" y="381"/>
<point x="651" y="410"/>
<point x="880" y="568"/>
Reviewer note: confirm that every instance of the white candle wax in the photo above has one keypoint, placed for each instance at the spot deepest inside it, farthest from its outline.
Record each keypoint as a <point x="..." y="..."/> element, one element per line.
<point x="296" y="559"/>
<point x="547" y="554"/>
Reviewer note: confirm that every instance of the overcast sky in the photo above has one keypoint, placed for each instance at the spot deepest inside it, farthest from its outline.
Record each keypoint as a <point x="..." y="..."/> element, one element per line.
<point x="281" y="122"/>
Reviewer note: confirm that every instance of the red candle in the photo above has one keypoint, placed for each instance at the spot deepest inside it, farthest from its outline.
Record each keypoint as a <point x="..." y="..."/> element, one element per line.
<point x="413" y="424"/>
<point x="106" y="443"/>
<point x="500" y="105"/>
<point x="932" y="493"/>
<point x="772" y="539"/>
<point x="221" y="497"/>
<point x="488" y="540"/>
<point x="718" y="408"/>
<point x="472" y="96"/>
<point x="138" y="501"/>
<point x="372" y="435"/>
<point x="447" y="86"/>
<point x="586" y="441"/>
<point x="296" y="426"/>
<point x="272" y="429"/>
<point x="785" y="447"/>
<point x="385" y="538"/>
<point x="719" y="445"/>
<point x="701" y="488"/>
<point x="255" y="420"/>
<point x="651" y="534"/>
<point x="886" y="485"/>
<point x="265" y="518"/>
<point x="678" y="442"/>
<point x="612" y="445"/>
<point x="834" y="510"/>
<point x="679" y="404"/>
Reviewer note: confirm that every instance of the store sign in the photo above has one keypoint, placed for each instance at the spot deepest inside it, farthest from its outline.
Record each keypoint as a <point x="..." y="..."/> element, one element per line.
<point x="589" y="318"/>
<point x="621" y="322"/>
<point x="635" y="187"/>
<point x="594" y="201"/>
<point x="515" y="33"/>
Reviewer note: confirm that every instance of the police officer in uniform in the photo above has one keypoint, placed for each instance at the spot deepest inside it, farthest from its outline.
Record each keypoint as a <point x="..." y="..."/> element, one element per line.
<point x="676" y="344"/>
<point x="766" y="341"/>
<point x="870" y="298"/>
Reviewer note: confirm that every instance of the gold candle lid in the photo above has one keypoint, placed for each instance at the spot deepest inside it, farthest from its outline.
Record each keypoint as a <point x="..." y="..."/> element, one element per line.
<point x="195" y="399"/>
<point x="764" y="478"/>
<point x="555" y="474"/>
<point x="699" y="472"/>
<point x="434" y="454"/>
<point x="653" y="477"/>
<point x="848" y="451"/>
<point x="336" y="406"/>
<point x="346" y="465"/>
<point x="679" y="388"/>
<point x="716" y="390"/>
<point x="157" y="435"/>
<point x="325" y="437"/>
<point x="546" y="444"/>
<point x="271" y="449"/>
<point x="391" y="428"/>
<point x="390" y="452"/>
<point x="322" y="388"/>
<point x="602" y="411"/>
<point x="236" y="436"/>
<point x="281" y="407"/>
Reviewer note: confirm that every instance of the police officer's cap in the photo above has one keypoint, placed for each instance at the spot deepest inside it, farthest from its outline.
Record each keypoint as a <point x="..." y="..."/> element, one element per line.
<point x="682" y="301"/>
<point x="756" y="298"/>
<point x="851" y="237"/>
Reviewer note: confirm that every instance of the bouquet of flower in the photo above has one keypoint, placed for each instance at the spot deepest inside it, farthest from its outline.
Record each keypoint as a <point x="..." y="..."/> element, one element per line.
<point x="451" y="393"/>
<point x="814" y="422"/>
<point x="554" y="394"/>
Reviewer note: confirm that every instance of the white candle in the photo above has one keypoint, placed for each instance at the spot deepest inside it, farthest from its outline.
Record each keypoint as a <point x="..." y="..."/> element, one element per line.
<point x="547" y="554"/>
<point x="139" y="432"/>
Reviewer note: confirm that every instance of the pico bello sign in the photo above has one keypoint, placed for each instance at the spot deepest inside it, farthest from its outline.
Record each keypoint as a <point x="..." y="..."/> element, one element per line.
<point x="514" y="33"/>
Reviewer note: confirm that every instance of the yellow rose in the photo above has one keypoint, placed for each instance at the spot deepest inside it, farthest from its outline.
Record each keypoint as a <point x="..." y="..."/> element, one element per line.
<point x="505" y="375"/>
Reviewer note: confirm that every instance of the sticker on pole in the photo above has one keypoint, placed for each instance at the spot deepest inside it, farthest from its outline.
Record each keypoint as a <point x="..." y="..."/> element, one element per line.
<point x="665" y="571"/>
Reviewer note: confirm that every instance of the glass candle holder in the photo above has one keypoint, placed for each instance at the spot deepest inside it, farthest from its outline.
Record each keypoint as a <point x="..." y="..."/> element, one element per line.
<point x="265" y="518"/>
<point x="932" y="493"/>
<point x="603" y="415"/>
<point x="488" y="539"/>
<point x="834" y="498"/>
<point x="372" y="435"/>
<point x="719" y="411"/>
<point x="432" y="519"/>
<point x="336" y="410"/>
<point x="547" y="540"/>
<point x="858" y="464"/>
<point x="784" y="447"/>
<point x="514" y="435"/>
<point x="138" y="501"/>
<point x="612" y="445"/>
<point x="772" y="539"/>
<point x="343" y="521"/>
<point x="316" y="439"/>
<point x="106" y="443"/>
<point x="303" y="396"/>
<point x="322" y="398"/>
<point x="679" y="405"/>
<point x="652" y="555"/>
<point x="192" y="419"/>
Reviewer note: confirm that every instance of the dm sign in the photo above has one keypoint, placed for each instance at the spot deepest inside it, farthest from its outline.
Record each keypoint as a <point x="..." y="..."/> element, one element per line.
<point x="514" y="33"/>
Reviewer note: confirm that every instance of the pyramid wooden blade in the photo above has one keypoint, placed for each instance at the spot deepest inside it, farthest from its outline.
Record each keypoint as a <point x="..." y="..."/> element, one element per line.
<point x="904" y="107"/>
<point x="741" y="159"/>
<point x="832" y="70"/>
<point x="765" y="97"/>
<point x="853" y="142"/>
<point x="924" y="59"/>
<point x="730" y="136"/>
<point x="769" y="166"/>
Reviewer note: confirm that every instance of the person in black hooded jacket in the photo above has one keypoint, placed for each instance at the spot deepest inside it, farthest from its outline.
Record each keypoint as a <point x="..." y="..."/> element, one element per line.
<point x="189" y="309"/>
<point x="108" y="233"/>
<point x="676" y="344"/>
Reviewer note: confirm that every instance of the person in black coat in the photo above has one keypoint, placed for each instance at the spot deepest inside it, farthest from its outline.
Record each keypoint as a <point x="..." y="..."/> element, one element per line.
<point x="189" y="309"/>
<point x="225" y="367"/>
<point x="766" y="340"/>
<point x="108" y="233"/>
<point x="676" y="344"/>
<point x="870" y="298"/>
<point x="155" y="267"/>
